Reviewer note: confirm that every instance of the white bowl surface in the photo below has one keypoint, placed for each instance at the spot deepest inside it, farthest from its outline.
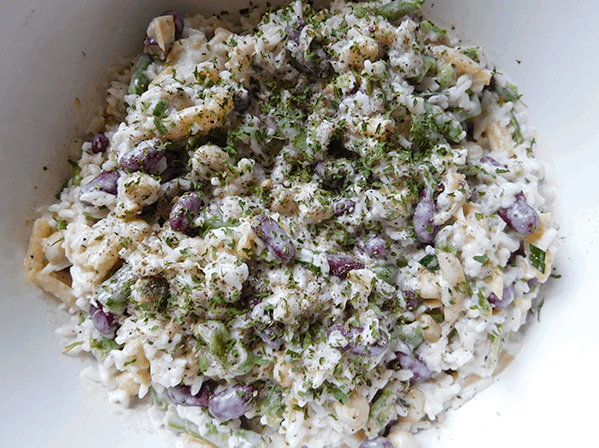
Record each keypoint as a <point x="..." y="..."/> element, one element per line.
<point x="54" y="54"/>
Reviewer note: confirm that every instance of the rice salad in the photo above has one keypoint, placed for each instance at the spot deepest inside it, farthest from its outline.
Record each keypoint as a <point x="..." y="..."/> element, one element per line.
<point x="300" y="227"/>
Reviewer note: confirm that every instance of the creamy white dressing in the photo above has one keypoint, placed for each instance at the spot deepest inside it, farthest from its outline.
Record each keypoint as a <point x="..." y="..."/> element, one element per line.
<point x="337" y="142"/>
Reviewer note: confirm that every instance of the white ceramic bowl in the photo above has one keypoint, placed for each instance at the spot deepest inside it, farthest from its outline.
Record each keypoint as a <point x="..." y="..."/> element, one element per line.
<point x="53" y="56"/>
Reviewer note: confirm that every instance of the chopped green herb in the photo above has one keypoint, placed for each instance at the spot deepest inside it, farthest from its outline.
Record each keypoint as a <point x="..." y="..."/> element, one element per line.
<point x="160" y="126"/>
<point x="537" y="258"/>
<point x="482" y="259"/>
<point x="159" y="109"/>
<point x="430" y="262"/>
<point x="427" y="26"/>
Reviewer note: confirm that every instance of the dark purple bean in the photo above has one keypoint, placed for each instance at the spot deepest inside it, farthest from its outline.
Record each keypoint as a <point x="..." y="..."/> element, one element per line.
<point x="340" y="264"/>
<point x="181" y="394"/>
<point x="317" y="64"/>
<point x="102" y="320"/>
<point x="232" y="402"/>
<point x="411" y="300"/>
<point x="414" y="17"/>
<point x="100" y="143"/>
<point x="346" y="333"/>
<point x="377" y="442"/>
<point x="491" y="161"/>
<point x="185" y="210"/>
<point x="330" y="179"/>
<point x="274" y="237"/>
<point x="344" y="206"/>
<point x="492" y="82"/>
<point x="150" y="42"/>
<point x="271" y="335"/>
<point x="252" y="301"/>
<point x="179" y="22"/>
<point x="509" y="293"/>
<point x="320" y="170"/>
<point x="411" y="361"/>
<point x="533" y="283"/>
<point x="512" y="260"/>
<point x="294" y="33"/>
<point x="388" y="427"/>
<point x="176" y="166"/>
<point x="106" y="181"/>
<point x="520" y="216"/>
<point x="474" y="196"/>
<point x="372" y="245"/>
<point x="424" y="222"/>
<point x="144" y="156"/>
<point x="242" y="102"/>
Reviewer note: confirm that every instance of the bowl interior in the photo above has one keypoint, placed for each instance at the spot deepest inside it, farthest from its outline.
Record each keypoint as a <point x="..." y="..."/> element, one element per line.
<point x="54" y="74"/>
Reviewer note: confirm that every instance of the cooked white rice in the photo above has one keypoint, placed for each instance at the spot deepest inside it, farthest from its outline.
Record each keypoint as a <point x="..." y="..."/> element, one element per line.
<point x="343" y="130"/>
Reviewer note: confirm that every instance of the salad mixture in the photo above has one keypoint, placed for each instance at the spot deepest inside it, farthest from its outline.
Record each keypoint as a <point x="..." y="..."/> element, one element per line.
<point x="306" y="228"/>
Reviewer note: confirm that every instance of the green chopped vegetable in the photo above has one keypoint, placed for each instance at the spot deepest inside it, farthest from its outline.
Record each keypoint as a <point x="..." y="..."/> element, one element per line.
<point x="160" y="107"/>
<point x="102" y="347"/>
<point x="537" y="258"/>
<point x="273" y="405"/>
<point x="430" y="262"/>
<point x="338" y="393"/>
<point x="482" y="259"/>
<point x="539" y="307"/>
<point x="160" y="127"/>
<point x="427" y="26"/>
<point x="507" y="93"/>
<point x="399" y="8"/>
<point x="76" y="180"/>
<point x="484" y="305"/>
<point x="139" y="82"/>
<point x="386" y="272"/>
<point x="231" y="352"/>
<point x="114" y="293"/>
<point x="472" y="53"/>
<point x="429" y="64"/>
<point x="381" y="411"/>
<point x="70" y="347"/>
<point x="446" y="76"/>
<point x="517" y="130"/>
<point x="411" y="334"/>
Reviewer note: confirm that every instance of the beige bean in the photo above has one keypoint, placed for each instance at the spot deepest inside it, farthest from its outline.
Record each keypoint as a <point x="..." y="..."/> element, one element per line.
<point x="127" y="383"/>
<point x="355" y="413"/>
<point x="401" y="438"/>
<point x="54" y="250"/>
<point x="416" y="409"/>
<point x="190" y="441"/>
<point x="451" y="268"/>
<point x="431" y="330"/>
<point x="134" y="348"/>
<point x="429" y="286"/>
